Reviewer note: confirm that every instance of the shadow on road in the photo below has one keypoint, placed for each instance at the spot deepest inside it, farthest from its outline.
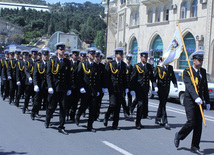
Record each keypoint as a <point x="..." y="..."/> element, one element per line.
<point x="209" y="151"/>
<point x="11" y="152"/>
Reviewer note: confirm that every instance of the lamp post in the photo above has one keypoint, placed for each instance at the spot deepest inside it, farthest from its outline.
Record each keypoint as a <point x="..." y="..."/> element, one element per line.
<point x="107" y="25"/>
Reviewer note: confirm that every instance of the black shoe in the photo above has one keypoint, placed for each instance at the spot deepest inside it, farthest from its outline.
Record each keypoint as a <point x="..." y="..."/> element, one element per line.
<point x="46" y="125"/>
<point x="166" y="126"/>
<point x="38" y="116"/>
<point x="158" y="122"/>
<point x="91" y="129"/>
<point x="63" y="131"/>
<point x="32" y="116"/>
<point x="176" y="140"/>
<point x="4" y="98"/>
<point x="147" y="117"/>
<point x="105" y="121"/>
<point x="115" y="128"/>
<point x="77" y="120"/>
<point x="196" y="150"/>
<point x="139" y="126"/>
<point x="23" y="110"/>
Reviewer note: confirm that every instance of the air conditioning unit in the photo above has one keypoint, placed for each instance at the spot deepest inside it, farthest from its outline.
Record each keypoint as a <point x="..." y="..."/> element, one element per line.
<point x="124" y="44"/>
<point x="200" y="47"/>
<point x="199" y="37"/>
<point x="203" y="1"/>
<point x="173" y="6"/>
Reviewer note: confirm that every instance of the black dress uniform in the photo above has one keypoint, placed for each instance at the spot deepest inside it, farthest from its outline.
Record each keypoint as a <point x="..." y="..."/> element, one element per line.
<point x="2" y="85"/>
<point x="116" y="84"/>
<point x="5" y="79"/>
<point x="194" y="118"/>
<point x="12" y="78"/>
<point x="58" y="78"/>
<point x="39" y="79"/>
<point x="164" y="75"/>
<point x="74" y="97"/>
<point x="140" y="77"/>
<point x="89" y="78"/>
<point x="29" y="67"/>
<point x="20" y="80"/>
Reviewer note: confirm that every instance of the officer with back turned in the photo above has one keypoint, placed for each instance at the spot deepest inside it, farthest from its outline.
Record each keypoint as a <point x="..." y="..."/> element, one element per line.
<point x="192" y="100"/>
<point x="59" y="85"/>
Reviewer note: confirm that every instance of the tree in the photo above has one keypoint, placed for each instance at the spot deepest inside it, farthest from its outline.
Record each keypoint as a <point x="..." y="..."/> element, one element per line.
<point x="100" y="41"/>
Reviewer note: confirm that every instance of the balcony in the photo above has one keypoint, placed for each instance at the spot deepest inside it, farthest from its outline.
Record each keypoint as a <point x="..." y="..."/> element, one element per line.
<point x="151" y="2"/>
<point x="134" y="4"/>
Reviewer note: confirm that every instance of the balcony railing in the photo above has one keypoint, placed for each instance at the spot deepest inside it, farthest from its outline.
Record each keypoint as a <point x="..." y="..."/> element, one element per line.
<point x="133" y="2"/>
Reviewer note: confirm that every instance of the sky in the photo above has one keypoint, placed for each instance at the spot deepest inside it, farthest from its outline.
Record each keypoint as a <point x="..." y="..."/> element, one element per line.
<point x="76" y="1"/>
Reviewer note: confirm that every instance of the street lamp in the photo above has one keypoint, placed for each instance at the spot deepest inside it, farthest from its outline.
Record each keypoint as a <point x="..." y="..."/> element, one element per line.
<point x="107" y="25"/>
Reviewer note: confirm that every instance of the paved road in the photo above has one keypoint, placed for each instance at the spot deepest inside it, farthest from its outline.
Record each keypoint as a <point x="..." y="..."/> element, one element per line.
<point x="20" y="135"/>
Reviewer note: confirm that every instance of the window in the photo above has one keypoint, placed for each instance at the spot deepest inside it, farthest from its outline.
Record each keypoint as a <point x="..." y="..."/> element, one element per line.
<point x="121" y="21"/>
<point x="194" y="9"/>
<point x="133" y="49"/>
<point x="137" y="18"/>
<point x="150" y="16"/>
<point x="158" y="15"/>
<point x="132" y="19"/>
<point x="166" y="16"/>
<point x="123" y="1"/>
<point x="184" y="10"/>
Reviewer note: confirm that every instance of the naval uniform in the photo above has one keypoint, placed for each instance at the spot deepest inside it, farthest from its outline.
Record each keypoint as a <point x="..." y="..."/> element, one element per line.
<point x="163" y="75"/>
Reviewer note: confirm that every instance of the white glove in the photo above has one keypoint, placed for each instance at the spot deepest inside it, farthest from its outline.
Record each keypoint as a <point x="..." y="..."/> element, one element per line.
<point x="68" y="92"/>
<point x="105" y="90"/>
<point x="208" y="107"/>
<point x="98" y="93"/>
<point x="82" y="90"/>
<point x="4" y="79"/>
<point x="127" y="90"/>
<point x="176" y="89"/>
<point x="132" y="93"/>
<point x="30" y="80"/>
<point x="36" y="88"/>
<point x="198" y="100"/>
<point x="50" y="90"/>
<point x="18" y="83"/>
<point x="156" y="89"/>
<point x="9" y="77"/>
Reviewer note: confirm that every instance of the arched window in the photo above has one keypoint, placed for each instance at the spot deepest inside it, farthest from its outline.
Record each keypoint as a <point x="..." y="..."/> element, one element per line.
<point x="184" y="10"/>
<point x="190" y="44"/>
<point x="133" y="49"/>
<point x="156" y="50"/>
<point x="194" y="8"/>
<point x="150" y="16"/>
<point x="158" y="15"/>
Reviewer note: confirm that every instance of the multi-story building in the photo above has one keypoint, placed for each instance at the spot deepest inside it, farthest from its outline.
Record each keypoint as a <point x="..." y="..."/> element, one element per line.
<point x="149" y="25"/>
<point x="10" y="33"/>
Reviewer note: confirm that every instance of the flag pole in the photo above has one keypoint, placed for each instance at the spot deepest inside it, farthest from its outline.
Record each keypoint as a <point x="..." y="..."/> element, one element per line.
<point x="192" y="77"/>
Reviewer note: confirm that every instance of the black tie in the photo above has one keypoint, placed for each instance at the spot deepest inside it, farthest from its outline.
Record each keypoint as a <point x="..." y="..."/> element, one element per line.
<point x="118" y="65"/>
<point x="198" y="74"/>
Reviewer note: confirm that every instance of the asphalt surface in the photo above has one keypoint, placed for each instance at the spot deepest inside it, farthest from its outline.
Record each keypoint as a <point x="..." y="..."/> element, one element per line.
<point x="20" y="135"/>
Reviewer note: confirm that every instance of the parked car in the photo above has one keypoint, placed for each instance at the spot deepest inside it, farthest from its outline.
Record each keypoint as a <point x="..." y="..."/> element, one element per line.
<point x="181" y="87"/>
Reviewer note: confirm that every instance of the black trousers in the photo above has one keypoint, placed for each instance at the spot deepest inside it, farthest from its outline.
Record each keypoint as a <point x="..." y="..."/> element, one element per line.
<point x="161" y="112"/>
<point x="20" y="91"/>
<point x="38" y="97"/>
<point x="57" y="97"/>
<point x="28" y="93"/>
<point x="88" y="101"/>
<point x="12" y="86"/>
<point x="114" y="106"/>
<point x="2" y="88"/>
<point x="194" y="122"/>
<point x="72" y="102"/>
<point x="6" y="88"/>
<point x="129" y="100"/>
<point x="142" y="105"/>
<point x="98" y="105"/>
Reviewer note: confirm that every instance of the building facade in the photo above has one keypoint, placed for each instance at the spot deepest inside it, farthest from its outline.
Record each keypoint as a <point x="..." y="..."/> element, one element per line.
<point x="149" y="25"/>
<point x="10" y="33"/>
<point x="7" y="5"/>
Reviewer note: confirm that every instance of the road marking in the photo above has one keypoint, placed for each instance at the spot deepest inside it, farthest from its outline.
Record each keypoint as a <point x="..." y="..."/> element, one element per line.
<point x="116" y="148"/>
<point x="179" y="111"/>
